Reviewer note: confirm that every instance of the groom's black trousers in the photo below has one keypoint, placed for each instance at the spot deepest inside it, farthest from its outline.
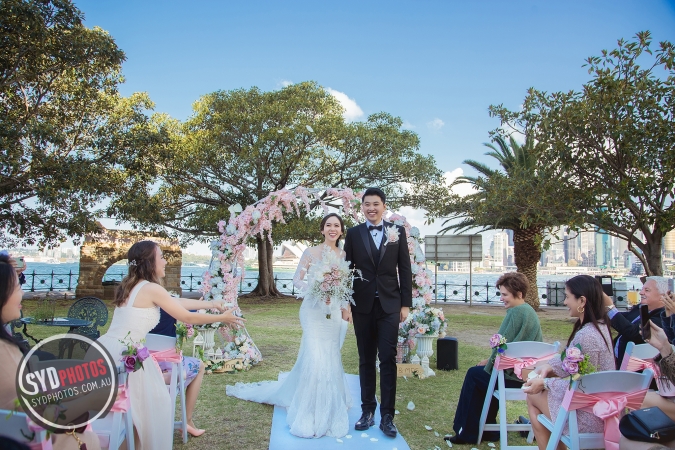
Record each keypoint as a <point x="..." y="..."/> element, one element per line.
<point x="377" y="332"/>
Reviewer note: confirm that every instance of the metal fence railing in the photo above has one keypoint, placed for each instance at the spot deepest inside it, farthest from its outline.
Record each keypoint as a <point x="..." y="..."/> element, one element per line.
<point x="447" y="292"/>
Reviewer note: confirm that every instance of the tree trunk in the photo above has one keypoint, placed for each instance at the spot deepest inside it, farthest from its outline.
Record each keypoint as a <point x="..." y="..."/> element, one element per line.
<point x="653" y="255"/>
<point x="266" y="286"/>
<point x="527" y="254"/>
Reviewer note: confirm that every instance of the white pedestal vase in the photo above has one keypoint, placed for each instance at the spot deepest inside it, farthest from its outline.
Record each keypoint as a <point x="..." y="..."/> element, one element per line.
<point x="209" y="341"/>
<point x="425" y="349"/>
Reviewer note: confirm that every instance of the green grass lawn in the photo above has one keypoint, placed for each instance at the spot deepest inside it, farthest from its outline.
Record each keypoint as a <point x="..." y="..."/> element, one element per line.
<point x="275" y="328"/>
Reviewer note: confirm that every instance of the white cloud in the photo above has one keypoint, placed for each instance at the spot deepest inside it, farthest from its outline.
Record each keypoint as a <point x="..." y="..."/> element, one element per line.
<point x="460" y="189"/>
<point x="285" y="83"/>
<point x="436" y="124"/>
<point x="407" y="125"/>
<point x="352" y="110"/>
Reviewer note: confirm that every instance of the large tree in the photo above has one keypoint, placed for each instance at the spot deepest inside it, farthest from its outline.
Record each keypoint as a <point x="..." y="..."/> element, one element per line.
<point x="240" y="145"/>
<point x="65" y="133"/>
<point x="520" y="196"/>
<point x="615" y="142"/>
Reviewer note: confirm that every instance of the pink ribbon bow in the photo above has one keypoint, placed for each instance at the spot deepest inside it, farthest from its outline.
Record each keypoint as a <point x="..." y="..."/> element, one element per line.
<point x="637" y="364"/>
<point x="608" y="406"/>
<point x="122" y="403"/>
<point x="518" y="364"/>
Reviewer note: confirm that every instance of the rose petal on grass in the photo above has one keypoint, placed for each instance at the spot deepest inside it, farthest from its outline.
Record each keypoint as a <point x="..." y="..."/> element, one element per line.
<point x="449" y="443"/>
<point x="349" y="436"/>
<point x="339" y="441"/>
<point x="364" y="434"/>
<point x="436" y="433"/>
<point x="397" y="412"/>
<point x="373" y="440"/>
<point x="490" y="444"/>
<point x="310" y="129"/>
<point x="428" y="427"/>
<point x="411" y="406"/>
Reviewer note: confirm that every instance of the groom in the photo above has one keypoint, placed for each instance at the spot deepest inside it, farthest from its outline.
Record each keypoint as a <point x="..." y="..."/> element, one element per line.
<point x="381" y="301"/>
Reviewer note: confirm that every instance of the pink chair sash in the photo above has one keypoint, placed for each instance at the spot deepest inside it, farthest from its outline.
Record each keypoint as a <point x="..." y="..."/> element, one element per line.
<point x="122" y="403"/>
<point x="43" y="445"/>
<point x="608" y="406"/>
<point x="169" y="355"/>
<point x="518" y="364"/>
<point x="636" y="364"/>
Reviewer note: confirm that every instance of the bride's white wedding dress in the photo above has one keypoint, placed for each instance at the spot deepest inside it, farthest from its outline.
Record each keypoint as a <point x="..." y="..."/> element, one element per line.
<point x="315" y="391"/>
<point x="149" y="397"/>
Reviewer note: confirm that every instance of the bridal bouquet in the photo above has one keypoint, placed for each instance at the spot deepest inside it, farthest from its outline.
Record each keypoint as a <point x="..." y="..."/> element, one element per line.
<point x="330" y="280"/>
<point x="576" y="363"/>
<point x="134" y="355"/>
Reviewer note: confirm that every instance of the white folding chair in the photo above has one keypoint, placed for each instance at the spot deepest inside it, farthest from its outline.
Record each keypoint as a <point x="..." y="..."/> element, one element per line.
<point x="523" y="350"/>
<point x="15" y="425"/>
<point x="610" y="382"/>
<point x="157" y="342"/>
<point x="636" y="355"/>
<point x="116" y="426"/>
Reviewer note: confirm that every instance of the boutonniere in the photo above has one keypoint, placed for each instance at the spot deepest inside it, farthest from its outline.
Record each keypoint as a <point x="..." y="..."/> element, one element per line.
<point x="391" y="233"/>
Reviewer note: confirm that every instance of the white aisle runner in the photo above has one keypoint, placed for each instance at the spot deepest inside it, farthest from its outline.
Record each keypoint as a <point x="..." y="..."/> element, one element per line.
<point x="282" y="439"/>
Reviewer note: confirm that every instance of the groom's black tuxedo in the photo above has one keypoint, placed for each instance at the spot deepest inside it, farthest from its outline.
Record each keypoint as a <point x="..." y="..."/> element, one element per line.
<point x="378" y="269"/>
<point x="378" y="298"/>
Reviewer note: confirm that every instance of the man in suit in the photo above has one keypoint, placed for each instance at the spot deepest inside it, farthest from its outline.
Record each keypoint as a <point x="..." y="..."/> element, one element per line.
<point x="382" y="299"/>
<point x="627" y="324"/>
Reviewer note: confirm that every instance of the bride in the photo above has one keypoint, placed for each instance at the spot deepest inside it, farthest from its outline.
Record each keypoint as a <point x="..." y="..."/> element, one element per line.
<point x="315" y="392"/>
<point x="138" y="300"/>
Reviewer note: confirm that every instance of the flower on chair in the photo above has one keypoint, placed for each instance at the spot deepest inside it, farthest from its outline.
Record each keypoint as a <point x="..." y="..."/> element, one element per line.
<point x="499" y="342"/>
<point x="575" y="363"/>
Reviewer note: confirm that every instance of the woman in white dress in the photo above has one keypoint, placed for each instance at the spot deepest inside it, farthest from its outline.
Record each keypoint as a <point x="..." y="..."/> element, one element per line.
<point x="138" y="300"/>
<point x="315" y="391"/>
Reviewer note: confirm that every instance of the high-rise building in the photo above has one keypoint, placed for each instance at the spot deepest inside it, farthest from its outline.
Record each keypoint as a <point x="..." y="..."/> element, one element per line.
<point x="603" y="249"/>
<point x="571" y="246"/>
<point x="587" y="248"/>
<point x="500" y="246"/>
<point x="669" y="244"/>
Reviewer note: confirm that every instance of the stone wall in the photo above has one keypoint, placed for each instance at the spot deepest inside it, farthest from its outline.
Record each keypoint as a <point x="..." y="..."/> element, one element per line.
<point x="100" y="251"/>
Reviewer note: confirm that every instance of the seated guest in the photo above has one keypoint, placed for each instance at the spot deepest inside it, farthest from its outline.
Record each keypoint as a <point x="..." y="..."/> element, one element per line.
<point x="520" y="324"/>
<point x="584" y="298"/>
<point x="11" y="353"/>
<point x="193" y="368"/>
<point x="666" y="361"/>
<point x="627" y="323"/>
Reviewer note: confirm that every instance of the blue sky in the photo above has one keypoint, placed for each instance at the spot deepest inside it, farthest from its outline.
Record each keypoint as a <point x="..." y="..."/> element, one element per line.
<point x="436" y="64"/>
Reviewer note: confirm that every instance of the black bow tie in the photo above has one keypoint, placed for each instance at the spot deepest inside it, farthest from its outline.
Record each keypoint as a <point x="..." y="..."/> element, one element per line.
<point x="373" y="227"/>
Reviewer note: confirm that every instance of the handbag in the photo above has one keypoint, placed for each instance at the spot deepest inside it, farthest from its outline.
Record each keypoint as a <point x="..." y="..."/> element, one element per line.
<point x="647" y="425"/>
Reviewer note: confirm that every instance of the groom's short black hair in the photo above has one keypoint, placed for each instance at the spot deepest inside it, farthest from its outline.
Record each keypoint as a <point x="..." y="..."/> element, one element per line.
<point x="375" y="191"/>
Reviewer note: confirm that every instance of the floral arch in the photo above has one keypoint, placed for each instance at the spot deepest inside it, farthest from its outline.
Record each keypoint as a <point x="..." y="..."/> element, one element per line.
<point x="227" y="269"/>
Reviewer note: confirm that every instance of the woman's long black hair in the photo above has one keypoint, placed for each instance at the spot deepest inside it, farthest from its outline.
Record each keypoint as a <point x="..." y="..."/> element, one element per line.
<point x="8" y="282"/>
<point x="594" y="311"/>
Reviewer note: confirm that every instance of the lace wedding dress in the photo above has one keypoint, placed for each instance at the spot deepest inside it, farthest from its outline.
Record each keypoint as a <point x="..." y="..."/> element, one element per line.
<point x="149" y="397"/>
<point x="315" y="391"/>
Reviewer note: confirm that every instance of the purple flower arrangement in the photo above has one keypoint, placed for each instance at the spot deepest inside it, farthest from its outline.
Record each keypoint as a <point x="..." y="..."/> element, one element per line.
<point x="134" y="355"/>
<point x="575" y="363"/>
<point x="499" y="342"/>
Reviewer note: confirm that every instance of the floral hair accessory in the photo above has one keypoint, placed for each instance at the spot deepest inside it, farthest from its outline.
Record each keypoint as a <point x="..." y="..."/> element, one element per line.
<point x="391" y="233"/>
<point x="499" y="342"/>
<point x="132" y="262"/>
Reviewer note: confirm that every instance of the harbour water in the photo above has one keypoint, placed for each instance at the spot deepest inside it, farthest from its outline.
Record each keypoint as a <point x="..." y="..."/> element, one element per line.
<point x="451" y="285"/>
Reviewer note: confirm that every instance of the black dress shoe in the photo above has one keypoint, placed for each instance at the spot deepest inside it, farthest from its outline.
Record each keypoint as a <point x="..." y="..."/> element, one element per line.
<point x="456" y="440"/>
<point x="366" y="421"/>
<point x="387" y="425"/>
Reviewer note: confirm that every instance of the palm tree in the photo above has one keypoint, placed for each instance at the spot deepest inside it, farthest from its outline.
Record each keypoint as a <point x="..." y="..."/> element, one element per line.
<point x="520" y="197"/>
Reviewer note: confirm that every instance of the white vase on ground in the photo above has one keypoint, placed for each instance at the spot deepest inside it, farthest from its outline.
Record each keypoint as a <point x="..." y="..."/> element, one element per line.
<point x="425" y="349"/>
<point x="209" y="341"/>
